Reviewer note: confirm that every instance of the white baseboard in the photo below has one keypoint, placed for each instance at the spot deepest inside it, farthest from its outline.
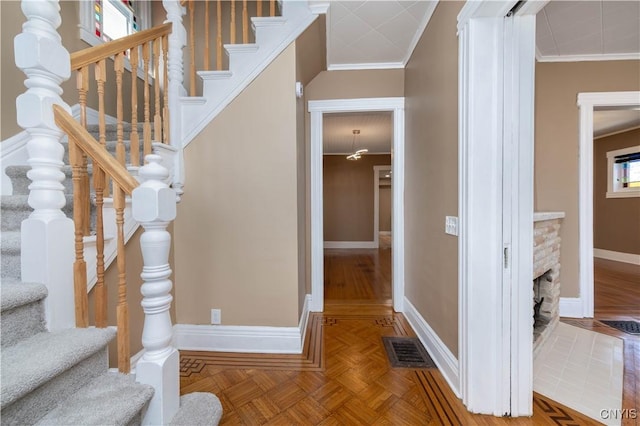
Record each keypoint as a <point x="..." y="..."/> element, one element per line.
<point x="238" y="338"/>
<point x="350" y="244"/>
<point x="571" y="307"/>
<point x="441" y="355"/>
<point x="634" y="259"/>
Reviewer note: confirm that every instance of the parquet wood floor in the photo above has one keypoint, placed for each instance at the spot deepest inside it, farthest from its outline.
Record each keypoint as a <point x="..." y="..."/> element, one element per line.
<point x="343" y="377"/>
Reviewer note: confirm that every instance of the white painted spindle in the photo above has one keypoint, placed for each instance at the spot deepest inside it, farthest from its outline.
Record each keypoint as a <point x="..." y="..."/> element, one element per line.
<point x="154" y="207"/>
<point x="47" y="235"/>
<point x="177" y="41"/>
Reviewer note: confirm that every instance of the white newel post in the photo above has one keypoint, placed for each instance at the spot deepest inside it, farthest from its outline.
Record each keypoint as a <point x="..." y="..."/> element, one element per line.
<point x="47" y="235"/>
<point x="154" y="207"/>
<point x="177" y="41"/>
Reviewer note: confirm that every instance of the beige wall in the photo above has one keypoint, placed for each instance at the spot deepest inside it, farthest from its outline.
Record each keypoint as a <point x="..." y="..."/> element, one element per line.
<point x="348" y="197"/>
<point x="236" y="239"/>
<point x="556" y="143"/>
<point x="616" y="221"/>
<point x="431" y="174"/>
<point x="384" y="208"/>
<point x="11" y="84"/>
<point x="310" y="60"/>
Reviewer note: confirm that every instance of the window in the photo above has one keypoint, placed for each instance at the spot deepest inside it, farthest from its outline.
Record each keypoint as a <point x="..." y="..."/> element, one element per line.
<point x="105" y="20"/>
<point x="623" y="173"/>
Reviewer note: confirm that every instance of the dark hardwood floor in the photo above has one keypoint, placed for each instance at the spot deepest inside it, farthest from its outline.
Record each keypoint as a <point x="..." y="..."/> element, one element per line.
<point x="344" y="378"/>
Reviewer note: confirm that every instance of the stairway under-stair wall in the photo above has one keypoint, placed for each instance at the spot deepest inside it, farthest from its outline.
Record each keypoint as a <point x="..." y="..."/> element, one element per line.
<point x="85" y="355"/>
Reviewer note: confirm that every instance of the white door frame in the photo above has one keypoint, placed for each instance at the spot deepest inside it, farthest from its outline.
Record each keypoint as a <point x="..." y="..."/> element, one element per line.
<point x="376" y="203"/>
<point x="586" y="104"/>
<point x="317" y="109"/>
<point x="496" y="106"/>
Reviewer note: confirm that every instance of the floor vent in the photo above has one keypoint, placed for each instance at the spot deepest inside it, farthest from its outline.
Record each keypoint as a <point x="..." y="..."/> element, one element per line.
<point x="407" y="352"/>
<point x="631" y="327"/>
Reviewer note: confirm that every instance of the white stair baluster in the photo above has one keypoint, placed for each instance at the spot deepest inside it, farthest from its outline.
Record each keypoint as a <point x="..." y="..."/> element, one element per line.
<point x="154" y="207"/>
<point x="177" y="41"/>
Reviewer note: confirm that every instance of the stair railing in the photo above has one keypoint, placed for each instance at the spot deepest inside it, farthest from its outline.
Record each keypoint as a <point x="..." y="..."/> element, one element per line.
<point x="225" y="12"/>
<point x="154" y="207"/>
<point x="150" y="48"/>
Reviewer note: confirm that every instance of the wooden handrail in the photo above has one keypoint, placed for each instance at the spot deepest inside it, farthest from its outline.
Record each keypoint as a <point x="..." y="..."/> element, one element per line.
<point x="94" y="54"/>
<point x="98" y="153"/>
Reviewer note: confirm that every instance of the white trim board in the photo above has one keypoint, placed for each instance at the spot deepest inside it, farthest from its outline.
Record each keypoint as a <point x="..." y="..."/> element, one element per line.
<point x="583" y="58"/>
<point x="445" y="360"/>
<point x="245" y="339"/>
<point x="317" y="109"/>
<point x="617" y="256"/>
<point x="586" y="104"/>
<point x="570" y="307"/>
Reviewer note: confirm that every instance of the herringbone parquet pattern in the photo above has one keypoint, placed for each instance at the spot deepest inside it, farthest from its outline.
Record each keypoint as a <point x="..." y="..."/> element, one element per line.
<point x="342" y="378"/>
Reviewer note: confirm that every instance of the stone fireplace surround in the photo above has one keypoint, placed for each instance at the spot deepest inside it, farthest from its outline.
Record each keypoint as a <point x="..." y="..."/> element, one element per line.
<point x="546" y="257"/>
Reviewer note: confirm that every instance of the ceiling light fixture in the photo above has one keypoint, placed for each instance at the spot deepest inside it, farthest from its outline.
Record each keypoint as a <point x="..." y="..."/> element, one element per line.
<point x="356" y="154"/>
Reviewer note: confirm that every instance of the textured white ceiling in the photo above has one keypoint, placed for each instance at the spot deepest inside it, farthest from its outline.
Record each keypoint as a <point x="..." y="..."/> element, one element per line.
<point x="374" y="34"/>
<point x="383" y="33"/>
<point x="376" y="132"/>
<point x="584" y="28"/>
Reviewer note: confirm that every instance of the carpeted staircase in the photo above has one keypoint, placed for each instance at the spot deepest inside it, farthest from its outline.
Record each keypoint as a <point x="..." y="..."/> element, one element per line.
<point x="62" y="378"/>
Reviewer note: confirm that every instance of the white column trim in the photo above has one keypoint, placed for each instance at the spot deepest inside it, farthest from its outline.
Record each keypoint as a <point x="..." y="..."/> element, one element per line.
<point x="317" y="109"/>
<point x="496" y="65"/>
<point x="586" y="103"/>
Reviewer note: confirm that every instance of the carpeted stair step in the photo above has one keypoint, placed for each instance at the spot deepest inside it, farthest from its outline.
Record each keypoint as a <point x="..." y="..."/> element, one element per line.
<point x="15" y="209"/>
<point x="41" y="372"/>
<point x="22" y="311"/>
<point x="109" y="399"/>
<point x="10" y="254"/>
<point x="198" y="409"/>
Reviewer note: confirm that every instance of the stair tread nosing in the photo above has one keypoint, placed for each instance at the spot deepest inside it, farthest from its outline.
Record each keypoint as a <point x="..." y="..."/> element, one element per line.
<point x="111" y="398"/>
<point x="14" y="294"/>
<point x="36" y="360"/>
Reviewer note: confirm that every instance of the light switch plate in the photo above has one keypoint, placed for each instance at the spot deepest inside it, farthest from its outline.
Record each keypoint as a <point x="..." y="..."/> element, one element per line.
<point x="451" y="225"/>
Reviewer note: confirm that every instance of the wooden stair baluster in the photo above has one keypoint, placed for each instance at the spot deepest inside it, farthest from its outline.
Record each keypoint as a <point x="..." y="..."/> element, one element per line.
<point x="157" y="118"/>
<point x="101" y="77"/>
<point x="245" y="22"/>
<point x="83" y="88"/>
<point x="79" y="265"/>
<point x="206" y="35"/>
<point x="259" y="8"/>
<point x="119" y="69"/>
<point x="165" y="68"/>
<point x="134" y="145"/>
<point x="192" y="49"/>
<point x="122" y="309"/>
<point x="147" y="109"/>
<point x="272" y="8"/>
<point x="232" y="26"/>
<point x="219" y="46"/>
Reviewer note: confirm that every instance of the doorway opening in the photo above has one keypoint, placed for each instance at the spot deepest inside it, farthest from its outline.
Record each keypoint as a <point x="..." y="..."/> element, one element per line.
<point x="344" y="231"/>
<point x="593" y="106"/>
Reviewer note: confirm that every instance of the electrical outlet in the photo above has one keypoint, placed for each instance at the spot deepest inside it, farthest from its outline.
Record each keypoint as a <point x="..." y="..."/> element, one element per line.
<point x="451" y="225"/>
<point x="216" y="316"/>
